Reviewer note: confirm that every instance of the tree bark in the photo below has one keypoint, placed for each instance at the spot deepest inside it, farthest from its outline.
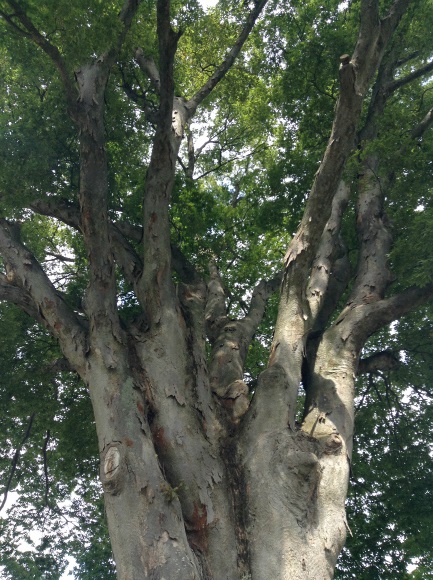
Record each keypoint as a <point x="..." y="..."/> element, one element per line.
<point x="200" y="480"/>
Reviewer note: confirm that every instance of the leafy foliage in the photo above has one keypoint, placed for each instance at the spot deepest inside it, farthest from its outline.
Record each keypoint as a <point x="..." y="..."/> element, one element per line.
<point x="390" y="504"/>
<point x="261" y="136"/>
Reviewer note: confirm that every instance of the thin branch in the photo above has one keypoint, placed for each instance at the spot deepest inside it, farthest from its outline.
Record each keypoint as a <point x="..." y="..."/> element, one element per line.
<point x="16" y="459"/>
<point x="52" y="51"/>
<point x="192" y="155"/>
<point x="126" y="257"/>
<point x="407" y="58"/>
<point x="60" y="257"/>
<point x="225" y="66"/>
<point x="139" y="99"/>
<point x="260" y="147"/>
<point x="44" y="455"/>
<point x="261" y="294"/>
<point x="124" y="254"/>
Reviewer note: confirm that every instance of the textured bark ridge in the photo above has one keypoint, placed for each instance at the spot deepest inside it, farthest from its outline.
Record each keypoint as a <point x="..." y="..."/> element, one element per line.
<point x="200" y="479"/>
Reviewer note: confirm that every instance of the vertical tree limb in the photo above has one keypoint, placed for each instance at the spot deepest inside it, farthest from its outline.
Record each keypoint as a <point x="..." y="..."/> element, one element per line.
<point x="15" y="460"/>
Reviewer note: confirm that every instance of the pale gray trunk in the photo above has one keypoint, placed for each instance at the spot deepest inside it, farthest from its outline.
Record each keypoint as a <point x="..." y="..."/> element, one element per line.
<point x="198" y="483"/>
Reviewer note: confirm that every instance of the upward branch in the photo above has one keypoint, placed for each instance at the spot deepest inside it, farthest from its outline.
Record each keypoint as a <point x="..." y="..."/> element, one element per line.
<point x="356" y="75"/>
<point x="87" y="111"/>
<point x="292" y="327"/>
<point x="173" y="116"/>
<point x="30" y="31"/>
<point x="155" y="286"/>
<point x="225" y="66"/>
<point x="101" y="300"/>
<point x="423" y="125"/>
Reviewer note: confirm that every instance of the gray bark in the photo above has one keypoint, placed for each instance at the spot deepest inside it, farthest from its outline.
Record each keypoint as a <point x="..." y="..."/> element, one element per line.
<point x="198" y="482"/>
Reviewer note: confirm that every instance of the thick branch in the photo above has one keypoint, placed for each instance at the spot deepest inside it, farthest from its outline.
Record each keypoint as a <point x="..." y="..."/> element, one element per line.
<point x="391" y="21"/>
<point x="18" y="296"/>
<point x="230" y="341"/>
<point x="183" y="267"/>
<point x="216" y="309"/>
<point x="156" y="287"/>
<point x="379" y="314"/>
<point x="291" y="331"/>
<point x="373" y="274"/>
<point x="355" y="78"/>
<point x="88" y="113"/>
<point x="126" y="16"/>
<point x="61" y="209"/>
<point x="384" y="87"/>
<point x="60" y="365"/>
<point x="167" y="39"/>
<point x="330" y="268"/>
<point x="130" y="231"/>
<point x="25" y="272"/>
<point x="385" y="360"/>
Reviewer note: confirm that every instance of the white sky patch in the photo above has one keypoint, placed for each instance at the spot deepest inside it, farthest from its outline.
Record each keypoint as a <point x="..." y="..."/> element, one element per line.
<point x="35" y="536"/>
<point x="206" y="4"/>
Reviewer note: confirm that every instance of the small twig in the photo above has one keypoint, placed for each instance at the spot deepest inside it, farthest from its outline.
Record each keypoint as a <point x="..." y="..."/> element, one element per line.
<point x="16" y="459"/>
<point x="44" y="454"/>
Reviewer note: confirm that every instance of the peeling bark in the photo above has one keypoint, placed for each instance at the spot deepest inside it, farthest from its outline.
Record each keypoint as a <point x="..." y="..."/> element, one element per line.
<point x="201" y="481"/>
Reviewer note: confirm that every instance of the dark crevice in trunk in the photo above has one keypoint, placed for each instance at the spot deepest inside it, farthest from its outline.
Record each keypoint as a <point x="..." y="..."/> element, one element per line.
<point x="239" y="495"/>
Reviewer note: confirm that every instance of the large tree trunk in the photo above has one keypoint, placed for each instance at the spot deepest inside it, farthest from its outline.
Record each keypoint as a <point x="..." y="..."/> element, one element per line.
<point x="198" y="482"/>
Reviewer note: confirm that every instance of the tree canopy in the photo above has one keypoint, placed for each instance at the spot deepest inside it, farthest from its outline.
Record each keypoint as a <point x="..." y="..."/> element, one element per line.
<point x="245" y="168"/>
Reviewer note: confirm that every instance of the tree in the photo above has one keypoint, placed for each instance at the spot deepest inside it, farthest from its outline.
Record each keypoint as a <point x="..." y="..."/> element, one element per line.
<point x="155" y="299"/>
